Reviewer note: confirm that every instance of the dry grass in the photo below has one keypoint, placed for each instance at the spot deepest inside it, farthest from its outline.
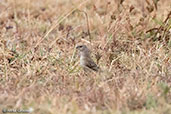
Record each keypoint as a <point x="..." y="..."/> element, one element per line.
<point x="39" y="65"/>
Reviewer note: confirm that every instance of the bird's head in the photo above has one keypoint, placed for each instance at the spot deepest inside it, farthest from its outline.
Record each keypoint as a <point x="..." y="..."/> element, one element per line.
<point x="83" y="50"/>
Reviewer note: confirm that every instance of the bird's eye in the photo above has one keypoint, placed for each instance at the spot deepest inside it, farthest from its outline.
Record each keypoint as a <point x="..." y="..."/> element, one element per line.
<point x="78" y="47"/>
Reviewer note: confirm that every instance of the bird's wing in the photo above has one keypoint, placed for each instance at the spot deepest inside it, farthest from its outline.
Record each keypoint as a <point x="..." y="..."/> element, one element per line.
<point x="90" y="64"/>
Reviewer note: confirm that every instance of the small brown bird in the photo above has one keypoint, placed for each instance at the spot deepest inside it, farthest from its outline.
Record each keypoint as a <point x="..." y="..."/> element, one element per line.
<point x="85" y="60"/>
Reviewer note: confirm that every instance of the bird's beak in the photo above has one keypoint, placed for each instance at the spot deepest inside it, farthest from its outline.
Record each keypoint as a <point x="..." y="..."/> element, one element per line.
<point x="77" y="47"/>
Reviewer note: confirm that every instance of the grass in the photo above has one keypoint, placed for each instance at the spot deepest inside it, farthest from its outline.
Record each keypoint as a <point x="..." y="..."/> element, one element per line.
<point x="39" y="65"/>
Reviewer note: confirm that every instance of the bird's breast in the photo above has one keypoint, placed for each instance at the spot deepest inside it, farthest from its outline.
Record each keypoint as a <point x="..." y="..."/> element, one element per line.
<point x="82" y="61"/>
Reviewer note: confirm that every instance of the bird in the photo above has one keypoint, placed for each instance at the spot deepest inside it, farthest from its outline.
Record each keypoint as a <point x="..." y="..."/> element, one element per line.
<point x="86" y="62"/>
